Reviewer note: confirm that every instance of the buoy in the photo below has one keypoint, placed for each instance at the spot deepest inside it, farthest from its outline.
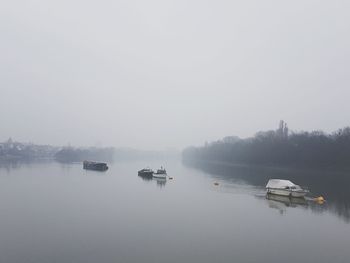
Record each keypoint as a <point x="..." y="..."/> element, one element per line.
<point x="216" y="183"/>
<point x="319" y="199"/>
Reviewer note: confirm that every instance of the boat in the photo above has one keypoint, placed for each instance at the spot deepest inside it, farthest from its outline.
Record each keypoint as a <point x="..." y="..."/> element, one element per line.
<point x="285" y="188"/>
<point x="161" y="173"/>
<point x="96" y="166"/>
<point x="146" y="172"/>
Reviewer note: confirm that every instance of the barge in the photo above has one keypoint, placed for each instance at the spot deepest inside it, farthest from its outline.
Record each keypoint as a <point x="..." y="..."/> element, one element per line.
<point x="146" y="172"/>
<point x="96" y="166"/>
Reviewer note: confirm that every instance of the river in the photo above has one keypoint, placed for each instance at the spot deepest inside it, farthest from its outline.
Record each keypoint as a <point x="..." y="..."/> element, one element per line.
<point x="54" y="212"/>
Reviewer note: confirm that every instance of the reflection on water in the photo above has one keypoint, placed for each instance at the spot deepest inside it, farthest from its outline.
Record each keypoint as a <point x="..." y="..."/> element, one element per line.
<point x="159" y="181"/>
<point x="146" y="178"/>
<point x="281" y="203"/>
<point x="14" y="164"/>
<point x="332" y="184"/>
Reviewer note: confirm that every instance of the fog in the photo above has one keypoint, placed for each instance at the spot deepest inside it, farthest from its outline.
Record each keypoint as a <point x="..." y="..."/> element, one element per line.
<point x="159" y="74"/>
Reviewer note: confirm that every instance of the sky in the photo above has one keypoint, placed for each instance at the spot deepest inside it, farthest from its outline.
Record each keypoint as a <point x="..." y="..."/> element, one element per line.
<point x="162" y="74"/>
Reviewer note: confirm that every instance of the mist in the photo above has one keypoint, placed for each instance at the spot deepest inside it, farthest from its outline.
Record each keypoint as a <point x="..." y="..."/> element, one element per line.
<point x="167" y="74"/>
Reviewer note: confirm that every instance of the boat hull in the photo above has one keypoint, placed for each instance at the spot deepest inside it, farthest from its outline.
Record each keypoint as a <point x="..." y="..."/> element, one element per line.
<point x="161" y="176"/>
<point x="289" y="201"/>
<point x="145" y="174"/>
<point x="95" y="166"/>
<point x="287" y="192"/>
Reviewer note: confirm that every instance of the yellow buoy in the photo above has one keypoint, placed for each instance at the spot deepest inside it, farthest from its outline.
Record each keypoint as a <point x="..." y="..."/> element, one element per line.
<point x="319" y="199"/>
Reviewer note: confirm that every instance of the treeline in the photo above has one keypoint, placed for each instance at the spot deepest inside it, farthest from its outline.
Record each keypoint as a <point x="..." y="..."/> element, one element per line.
<point x="70" y="154"/>
<point x="278" y="148"/>
<point x="17" y="151"/>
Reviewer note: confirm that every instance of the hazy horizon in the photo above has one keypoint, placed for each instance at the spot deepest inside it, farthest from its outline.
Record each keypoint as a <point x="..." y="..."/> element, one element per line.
<point x="169" y="74"/>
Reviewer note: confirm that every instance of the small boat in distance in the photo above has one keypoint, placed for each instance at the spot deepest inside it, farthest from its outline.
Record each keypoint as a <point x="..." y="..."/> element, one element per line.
<point x="161" y="173"/>
<point x="96" y="166"/>
<point x="285" y="188"/>
<point x="146" y="172"/>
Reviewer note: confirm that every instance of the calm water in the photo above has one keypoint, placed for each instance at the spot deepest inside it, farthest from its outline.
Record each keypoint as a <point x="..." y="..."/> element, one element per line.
<point x="53" y="212"/>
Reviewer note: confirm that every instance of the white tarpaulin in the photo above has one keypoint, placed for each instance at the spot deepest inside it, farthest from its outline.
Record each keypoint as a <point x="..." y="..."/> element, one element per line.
<point x="278" y="183"/>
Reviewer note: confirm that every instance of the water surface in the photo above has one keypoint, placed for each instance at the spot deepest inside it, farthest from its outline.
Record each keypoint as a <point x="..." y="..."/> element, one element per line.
<point x="52" y="212"/>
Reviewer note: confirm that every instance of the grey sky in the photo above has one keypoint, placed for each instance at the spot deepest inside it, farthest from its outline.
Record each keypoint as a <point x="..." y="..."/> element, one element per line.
<point x="155" y="74"/>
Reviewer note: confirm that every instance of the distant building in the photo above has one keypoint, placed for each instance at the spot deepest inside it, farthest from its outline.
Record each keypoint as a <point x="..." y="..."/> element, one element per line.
<point x="282" y="130"/>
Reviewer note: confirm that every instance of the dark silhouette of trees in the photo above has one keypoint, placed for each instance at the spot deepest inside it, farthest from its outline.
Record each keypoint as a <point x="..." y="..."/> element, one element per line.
<point x="70" y="154"/>
<point x="279" y="147"/>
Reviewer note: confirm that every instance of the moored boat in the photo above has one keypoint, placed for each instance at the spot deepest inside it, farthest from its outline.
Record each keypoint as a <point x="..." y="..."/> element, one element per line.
<point x="146" y="172"/>
<point x="161" y="173"/>
<point x="285" y="188"/>
<point x="96" y="166"/>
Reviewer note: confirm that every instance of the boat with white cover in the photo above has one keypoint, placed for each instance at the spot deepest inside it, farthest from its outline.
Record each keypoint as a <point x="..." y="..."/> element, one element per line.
<point x="161" y="173"/>
<point x="285" y="188"/>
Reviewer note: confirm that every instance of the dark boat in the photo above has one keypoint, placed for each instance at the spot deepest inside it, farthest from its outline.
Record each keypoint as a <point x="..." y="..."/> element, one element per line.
<point x="96" y="166"/>
<point x="146" y="172"/>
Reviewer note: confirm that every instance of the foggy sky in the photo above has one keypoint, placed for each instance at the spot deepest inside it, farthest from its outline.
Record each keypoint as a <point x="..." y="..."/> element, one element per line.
<point x="156" y="74"/>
